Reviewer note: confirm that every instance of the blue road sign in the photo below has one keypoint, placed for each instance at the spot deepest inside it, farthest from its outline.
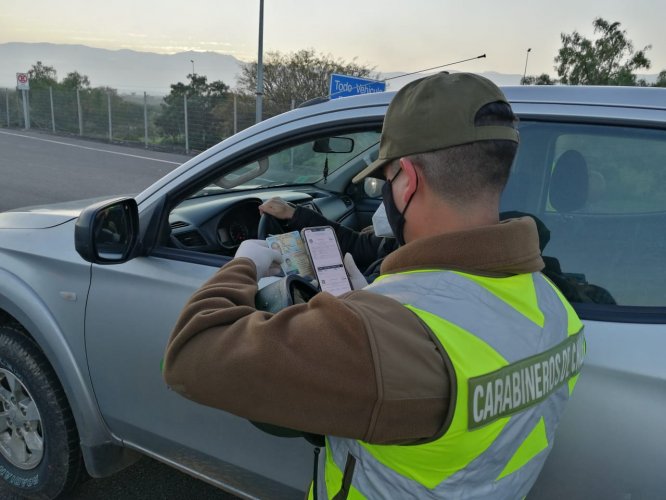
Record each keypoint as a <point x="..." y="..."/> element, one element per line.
<point x="343" y="86"/>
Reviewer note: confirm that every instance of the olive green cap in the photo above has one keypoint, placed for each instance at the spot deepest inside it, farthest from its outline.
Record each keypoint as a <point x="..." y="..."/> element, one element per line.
<point x="437" y="112"/>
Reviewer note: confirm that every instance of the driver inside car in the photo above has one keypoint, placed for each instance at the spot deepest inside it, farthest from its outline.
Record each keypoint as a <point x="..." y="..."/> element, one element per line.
<point x="367" y="247"/>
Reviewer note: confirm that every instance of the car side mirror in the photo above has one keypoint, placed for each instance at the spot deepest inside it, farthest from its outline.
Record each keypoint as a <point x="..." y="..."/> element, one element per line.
<point x="108" y="232"/>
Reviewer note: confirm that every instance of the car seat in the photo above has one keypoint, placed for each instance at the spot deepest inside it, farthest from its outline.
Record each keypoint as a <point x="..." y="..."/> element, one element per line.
<point x="569" y="183"/>
<point x="568" y="192"/>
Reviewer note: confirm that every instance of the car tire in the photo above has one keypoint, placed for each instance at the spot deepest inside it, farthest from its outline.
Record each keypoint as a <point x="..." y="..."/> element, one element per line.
<point x="40" y="456"/>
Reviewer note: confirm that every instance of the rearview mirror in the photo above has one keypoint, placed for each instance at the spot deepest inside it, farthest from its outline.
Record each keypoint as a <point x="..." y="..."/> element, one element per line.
<point x="107" y="232"/>
<point x="333" y="145"/>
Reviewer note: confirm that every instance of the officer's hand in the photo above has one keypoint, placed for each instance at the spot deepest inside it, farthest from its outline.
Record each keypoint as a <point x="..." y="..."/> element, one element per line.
<point x="356" y="277"/>
<point x="278" y="208"/>
<point x="266" y="260"/>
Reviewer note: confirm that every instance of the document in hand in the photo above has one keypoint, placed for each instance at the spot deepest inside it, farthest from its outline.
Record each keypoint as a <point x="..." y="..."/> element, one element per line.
<point x="295" y="258"/>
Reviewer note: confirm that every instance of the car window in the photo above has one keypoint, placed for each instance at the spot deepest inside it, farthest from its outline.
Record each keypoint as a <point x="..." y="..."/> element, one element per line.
<point x="214" y="218"/>
<point x="598" y="193"/>
<point x="303" y="163"/>
<point x="627" y="171"/>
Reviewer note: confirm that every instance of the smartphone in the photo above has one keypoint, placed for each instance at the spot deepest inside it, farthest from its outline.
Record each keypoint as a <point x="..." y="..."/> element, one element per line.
<point x="324" y="252"/>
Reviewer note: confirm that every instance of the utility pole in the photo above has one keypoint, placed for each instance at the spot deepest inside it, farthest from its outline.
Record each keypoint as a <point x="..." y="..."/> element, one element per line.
<point x="527" y="56"/>
<point x="260" y="64"/>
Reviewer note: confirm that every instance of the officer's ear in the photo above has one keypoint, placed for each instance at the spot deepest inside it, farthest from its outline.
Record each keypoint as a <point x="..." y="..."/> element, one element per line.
<point x="411" y="173"/>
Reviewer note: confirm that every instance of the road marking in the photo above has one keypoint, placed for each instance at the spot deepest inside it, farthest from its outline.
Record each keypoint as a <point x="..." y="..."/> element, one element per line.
<point x="91" y="149"/>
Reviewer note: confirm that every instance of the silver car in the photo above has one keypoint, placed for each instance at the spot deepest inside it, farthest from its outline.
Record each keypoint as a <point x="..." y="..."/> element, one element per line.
<point x="88" y="296"/>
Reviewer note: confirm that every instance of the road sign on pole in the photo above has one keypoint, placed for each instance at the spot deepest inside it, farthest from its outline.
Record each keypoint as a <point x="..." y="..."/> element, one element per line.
<point x="344" y="85"/>
<point x="22" y="81"/>
<point x="23" y="84"/>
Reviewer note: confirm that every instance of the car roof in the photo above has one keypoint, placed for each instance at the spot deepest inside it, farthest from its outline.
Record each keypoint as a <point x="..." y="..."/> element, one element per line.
<point x="627" y="97"/>
<point x="609" y="104"/>
<point x="630" y="106"/>
<point x="590" y="95"/>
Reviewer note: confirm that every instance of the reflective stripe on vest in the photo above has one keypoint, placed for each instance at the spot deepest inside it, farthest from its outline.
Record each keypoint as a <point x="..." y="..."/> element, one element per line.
<point x="509" y="324"/>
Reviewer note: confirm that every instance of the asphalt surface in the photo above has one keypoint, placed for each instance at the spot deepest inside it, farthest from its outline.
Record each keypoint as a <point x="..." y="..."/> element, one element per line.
<point x="38" y="168"/>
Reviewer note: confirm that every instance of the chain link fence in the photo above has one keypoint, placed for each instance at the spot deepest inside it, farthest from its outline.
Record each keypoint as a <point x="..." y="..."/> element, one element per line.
<point x="183" y="124"/>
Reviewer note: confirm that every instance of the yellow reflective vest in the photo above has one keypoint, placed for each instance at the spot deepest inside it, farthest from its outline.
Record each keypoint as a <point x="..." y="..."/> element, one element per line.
<point x="517" y="347"/>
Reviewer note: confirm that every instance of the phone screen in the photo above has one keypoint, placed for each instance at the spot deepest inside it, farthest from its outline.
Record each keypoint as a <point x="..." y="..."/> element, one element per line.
<point x="326" y="259"/>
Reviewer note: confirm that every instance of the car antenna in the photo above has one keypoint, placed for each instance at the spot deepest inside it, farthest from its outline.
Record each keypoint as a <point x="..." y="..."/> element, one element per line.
<point x="482" y="56"/>
<point x="320" y="99"/>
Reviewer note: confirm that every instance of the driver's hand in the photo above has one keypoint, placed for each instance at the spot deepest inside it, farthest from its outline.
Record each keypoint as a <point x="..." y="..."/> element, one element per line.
<point x="266" y="260"/>
<point x="278" y="208"/>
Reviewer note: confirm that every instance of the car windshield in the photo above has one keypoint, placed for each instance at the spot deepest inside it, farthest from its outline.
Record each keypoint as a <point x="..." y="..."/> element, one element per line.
<point x="305" y="163"/>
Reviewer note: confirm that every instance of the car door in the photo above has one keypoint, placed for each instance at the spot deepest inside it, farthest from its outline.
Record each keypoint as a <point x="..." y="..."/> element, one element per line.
<point x="131" y="311"/>
<point x="598" y="192"/>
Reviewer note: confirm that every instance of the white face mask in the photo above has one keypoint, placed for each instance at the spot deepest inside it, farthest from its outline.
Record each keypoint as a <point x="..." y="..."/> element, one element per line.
<point x="381" y="224"/>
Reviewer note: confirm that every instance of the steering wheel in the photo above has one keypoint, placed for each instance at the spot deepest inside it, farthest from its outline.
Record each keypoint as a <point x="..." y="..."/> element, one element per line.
<point x="268" y="225"/>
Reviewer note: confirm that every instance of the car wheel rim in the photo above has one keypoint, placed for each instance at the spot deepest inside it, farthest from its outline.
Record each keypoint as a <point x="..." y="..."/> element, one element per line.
<point x="21" y="430"/>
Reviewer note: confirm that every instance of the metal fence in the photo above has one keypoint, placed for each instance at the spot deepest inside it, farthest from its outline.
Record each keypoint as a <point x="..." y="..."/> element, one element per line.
<point x="190" y="124"/>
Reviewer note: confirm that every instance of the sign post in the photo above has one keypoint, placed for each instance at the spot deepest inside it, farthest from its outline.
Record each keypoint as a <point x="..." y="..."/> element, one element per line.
<point x="22" y="81"/>
<point x="23" y="84"/>
<point x="344" y="86"/>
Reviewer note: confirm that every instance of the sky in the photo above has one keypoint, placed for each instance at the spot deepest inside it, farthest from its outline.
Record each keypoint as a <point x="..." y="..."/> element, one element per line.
<point x="389" y="35"/>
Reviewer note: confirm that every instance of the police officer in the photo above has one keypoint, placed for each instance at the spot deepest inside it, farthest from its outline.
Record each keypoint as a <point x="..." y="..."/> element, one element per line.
<point x="461" y="349"/>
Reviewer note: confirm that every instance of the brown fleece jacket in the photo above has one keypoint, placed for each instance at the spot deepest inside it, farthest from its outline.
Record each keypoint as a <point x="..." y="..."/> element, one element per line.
<point x="358" y="366"/>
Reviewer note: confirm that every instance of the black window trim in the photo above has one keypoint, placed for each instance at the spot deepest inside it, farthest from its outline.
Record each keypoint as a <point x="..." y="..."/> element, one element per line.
<point x="620" y="314"/>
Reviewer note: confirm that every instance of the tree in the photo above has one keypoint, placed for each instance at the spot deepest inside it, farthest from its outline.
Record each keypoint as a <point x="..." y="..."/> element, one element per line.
<point x="608" y="60"/>
<point x="75" y="80"/>
<point x="42" y="76"/>
<point x="206" y="125"/>
<point x="298" y="76"/>
<point x="542" y="79"/>
<point x="661" y="79"/>
<point x="94" y="105"/>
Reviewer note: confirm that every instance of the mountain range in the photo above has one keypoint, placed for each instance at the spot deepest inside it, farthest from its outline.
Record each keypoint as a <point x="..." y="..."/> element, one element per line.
<point x="128" y="71"/>
<point x="132" y="72"/>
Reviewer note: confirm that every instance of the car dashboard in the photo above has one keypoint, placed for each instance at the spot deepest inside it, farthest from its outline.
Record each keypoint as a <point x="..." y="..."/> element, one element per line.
<point x="219" y="223"/>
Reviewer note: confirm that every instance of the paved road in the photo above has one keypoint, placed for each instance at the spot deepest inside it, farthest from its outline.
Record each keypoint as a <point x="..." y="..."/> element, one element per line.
<point x="37" y="169"/>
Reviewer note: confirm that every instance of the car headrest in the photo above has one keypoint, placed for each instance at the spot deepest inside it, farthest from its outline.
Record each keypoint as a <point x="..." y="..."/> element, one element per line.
<point x="569" y="182"/>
